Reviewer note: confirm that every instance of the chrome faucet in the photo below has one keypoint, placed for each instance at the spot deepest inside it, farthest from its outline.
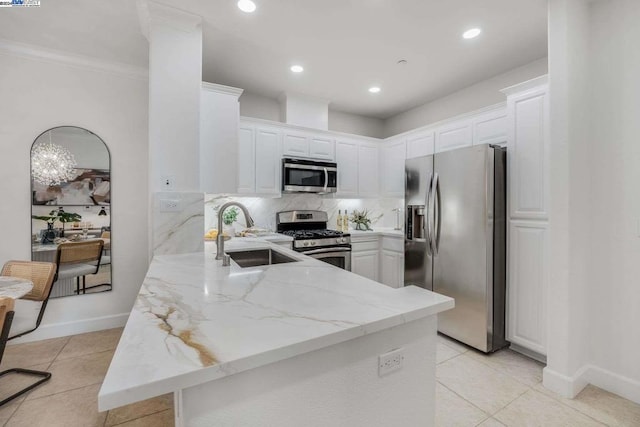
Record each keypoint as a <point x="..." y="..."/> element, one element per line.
<point x="220" y="240"/>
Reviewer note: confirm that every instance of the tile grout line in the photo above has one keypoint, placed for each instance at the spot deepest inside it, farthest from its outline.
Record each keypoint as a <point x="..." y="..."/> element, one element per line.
<point x="468" y="401"/>
<point x="24" y="399"/>
<point x="571" y="407"/>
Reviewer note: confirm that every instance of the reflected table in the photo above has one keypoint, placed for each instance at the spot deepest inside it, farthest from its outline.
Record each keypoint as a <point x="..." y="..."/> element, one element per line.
<point x="14" y="287"/>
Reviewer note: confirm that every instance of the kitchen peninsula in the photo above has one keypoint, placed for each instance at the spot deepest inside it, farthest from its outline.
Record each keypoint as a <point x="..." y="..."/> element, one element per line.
<point x="287" y="344"/>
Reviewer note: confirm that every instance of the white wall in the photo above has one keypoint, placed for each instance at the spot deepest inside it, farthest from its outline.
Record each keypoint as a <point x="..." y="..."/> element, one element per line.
<point x="614" y="310"/>
<point x="356" y="124"/>
<point x="38" y="95"/>
<point x="262" y="107"/>
<point x="594" y="320"/>
<point x="468" y="99"/>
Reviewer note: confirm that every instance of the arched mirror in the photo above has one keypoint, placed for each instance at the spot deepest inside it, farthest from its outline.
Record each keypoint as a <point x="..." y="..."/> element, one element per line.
<point x="71" y="209"/>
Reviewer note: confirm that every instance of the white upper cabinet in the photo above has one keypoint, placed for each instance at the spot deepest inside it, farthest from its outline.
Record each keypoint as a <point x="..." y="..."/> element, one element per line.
<point x="322" y="148"/>
<point x="368" y="173"/>
<point x="347" y="160"/>
<point x="267" y="160"/>
<point x="307" y="145"/>
<point x="454" y="135"/>
<point x="246" y="160"/>
<point x="219" y="120"/>
<point x="392" y="157"/>
<point x="259" y="159"/>
<point x="295" y="144"/>
<point x="491" y="127"/>
<point x="528" y="149"/>
<point x="420" y="144"/>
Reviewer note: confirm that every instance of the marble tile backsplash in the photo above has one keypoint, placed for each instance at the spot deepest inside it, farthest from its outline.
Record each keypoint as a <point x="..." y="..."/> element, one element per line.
<point x="263" y="210"/>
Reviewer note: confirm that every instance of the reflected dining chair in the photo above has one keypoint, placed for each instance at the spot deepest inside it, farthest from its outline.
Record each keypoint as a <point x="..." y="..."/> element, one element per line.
<point x="76" y="260"/>
<point x="6" y="317"/>
<point x="30" y="308"/>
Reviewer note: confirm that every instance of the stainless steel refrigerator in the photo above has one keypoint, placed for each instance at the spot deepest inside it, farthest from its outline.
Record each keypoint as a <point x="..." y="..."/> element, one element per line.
<point x="455" y="239"/>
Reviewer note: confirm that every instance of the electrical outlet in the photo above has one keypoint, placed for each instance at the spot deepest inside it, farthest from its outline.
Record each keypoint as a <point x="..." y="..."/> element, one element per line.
<point x="168" y="182"/>
<point x="169" y="205"/>
<point x="390" y="362"/>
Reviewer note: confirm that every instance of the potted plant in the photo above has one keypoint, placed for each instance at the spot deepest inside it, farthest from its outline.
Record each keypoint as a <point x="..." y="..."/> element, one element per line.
<point x="56" y="215"/>
<point x="361" y="220"/>
<point x="228" y="218"/>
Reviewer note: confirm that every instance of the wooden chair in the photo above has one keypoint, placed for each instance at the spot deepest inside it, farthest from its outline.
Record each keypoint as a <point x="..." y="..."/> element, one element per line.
<point x="30" y="308"/>
<point x="76" y="260"/>
<point x="6" y="317"/>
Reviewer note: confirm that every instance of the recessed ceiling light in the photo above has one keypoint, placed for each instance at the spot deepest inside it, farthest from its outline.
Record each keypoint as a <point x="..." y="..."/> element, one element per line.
<point x="246" y="6"/>
<point x="297" y="68"/>
<point x="472" y="33"/>
<point x="374" y="89"/>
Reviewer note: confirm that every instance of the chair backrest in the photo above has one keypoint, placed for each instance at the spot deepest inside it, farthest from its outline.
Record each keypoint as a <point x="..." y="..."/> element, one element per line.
<point x="6" y="315"/>
<point x="105" y="235"/>
<point x="40" y="273"/>
<point x="80" y="252"/>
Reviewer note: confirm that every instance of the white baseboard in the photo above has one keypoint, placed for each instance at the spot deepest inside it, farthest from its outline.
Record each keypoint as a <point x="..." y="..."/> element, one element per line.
<point x="64" y="329"/>
<point x="589" y="374"/>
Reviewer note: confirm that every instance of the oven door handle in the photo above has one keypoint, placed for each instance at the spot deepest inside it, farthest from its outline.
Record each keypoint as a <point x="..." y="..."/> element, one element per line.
<point x="326" y="251"/>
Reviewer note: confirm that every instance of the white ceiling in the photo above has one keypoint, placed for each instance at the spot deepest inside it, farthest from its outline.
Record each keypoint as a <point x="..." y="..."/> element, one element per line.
<point x="346" y="46"/>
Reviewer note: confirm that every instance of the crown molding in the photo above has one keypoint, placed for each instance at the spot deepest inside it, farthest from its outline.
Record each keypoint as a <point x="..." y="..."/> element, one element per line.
<point x="529" y="84"/>
<point x="23" y="50"/>
<point x="228" y="90"/>
<point x="167" y="15"/>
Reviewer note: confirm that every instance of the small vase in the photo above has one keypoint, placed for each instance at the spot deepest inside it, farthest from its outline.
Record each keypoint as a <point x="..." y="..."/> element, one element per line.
<point x="229" y="230"/>
<point x="360" y="226"/>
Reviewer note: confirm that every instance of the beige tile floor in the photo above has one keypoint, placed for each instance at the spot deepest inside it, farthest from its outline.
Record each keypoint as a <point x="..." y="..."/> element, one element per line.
<point x="503" y="389"/>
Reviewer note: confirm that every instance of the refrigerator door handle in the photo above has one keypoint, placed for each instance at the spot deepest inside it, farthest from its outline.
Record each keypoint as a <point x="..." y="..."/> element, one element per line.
<point x="437" y="212"/>
<point x="427" y="221"/>
<point x="431" y="217"/>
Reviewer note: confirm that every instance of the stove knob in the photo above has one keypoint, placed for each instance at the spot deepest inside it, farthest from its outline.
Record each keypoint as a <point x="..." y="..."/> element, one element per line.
<point x="305" y="243"/>
<point x="338" y="240"/>
<point x="313" y="243"/>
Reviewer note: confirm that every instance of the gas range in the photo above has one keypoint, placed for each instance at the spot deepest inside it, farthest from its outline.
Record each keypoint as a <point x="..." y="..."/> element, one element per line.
<point x="317" y="238"/>
<point x="311" y="236"/>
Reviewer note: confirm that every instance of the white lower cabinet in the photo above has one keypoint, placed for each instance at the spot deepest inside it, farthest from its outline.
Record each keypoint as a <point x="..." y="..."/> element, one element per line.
<point x="392" y="261"/>
<point x="364" y="256"/>
<point x="365" y="264"/>
<point x="526" y="313"/>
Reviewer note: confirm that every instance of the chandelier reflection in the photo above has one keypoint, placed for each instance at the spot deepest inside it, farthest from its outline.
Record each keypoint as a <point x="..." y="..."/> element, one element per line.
<point x="51" y="164"/>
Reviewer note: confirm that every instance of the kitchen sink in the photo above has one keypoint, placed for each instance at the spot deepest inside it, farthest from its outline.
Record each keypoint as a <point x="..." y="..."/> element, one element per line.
<point x="258" y="257"/>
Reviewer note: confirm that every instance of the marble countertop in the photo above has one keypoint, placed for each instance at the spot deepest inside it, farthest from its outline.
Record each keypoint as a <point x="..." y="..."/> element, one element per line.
<point x="390" y="232"/>
<point x="195" y="321"/>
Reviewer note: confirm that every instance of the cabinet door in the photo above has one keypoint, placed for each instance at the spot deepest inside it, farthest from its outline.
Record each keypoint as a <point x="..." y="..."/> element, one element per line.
<point x="526" y="314"/>
<point x="420" y="144"/>
<point x="246" y="160"/>
<point x="295" y="144"/>
<point x="347" y="160"/>
<point x="322" y="148"/>
<point x="392" y="156"/>
<point x="390" y="268"/>
<point x="455" y="135"/>
<point x="267" y="161"/>
<point x="368" y="173"/>
<point x="528" y="154"/>
<point x="365" y="264"/>
<point x="490" y="128"/>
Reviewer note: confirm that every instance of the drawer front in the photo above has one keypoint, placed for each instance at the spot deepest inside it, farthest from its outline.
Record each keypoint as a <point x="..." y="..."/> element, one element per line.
<point x="367" y="245"/>
<point x="393" y="244"/>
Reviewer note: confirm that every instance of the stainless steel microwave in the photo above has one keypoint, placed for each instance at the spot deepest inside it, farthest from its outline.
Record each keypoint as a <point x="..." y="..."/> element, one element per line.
<point x="309" y="176"/>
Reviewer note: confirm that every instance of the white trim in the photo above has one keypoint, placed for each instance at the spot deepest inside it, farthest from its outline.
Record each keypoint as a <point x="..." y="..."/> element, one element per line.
<point x="565" y="386"/>
<point x="23" y="50"/>
<point x="589" y="374"/>
<point x="615" y="383"/>
<point x="64" y="329"/>
<point x="529" y="353"/>
<point x="227" y="90"/>
<point x="468" y="115"/>
<point x="526" y="85"/>
<point x="176" y="18"/>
